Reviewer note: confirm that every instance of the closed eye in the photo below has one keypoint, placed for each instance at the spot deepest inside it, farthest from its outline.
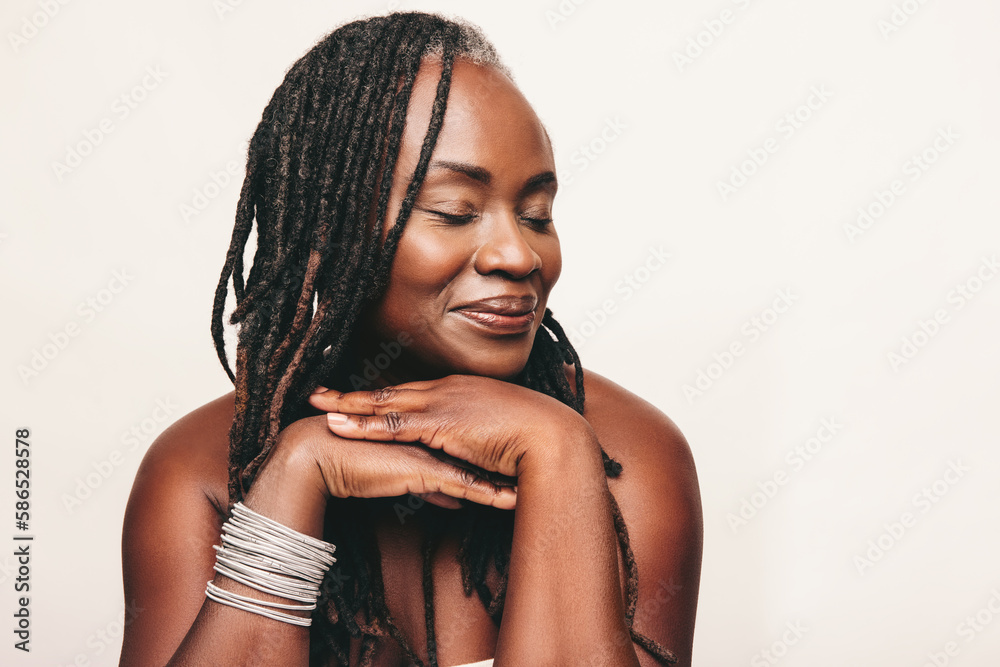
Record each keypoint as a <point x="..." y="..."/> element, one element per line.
<point x="453" y="219"/>
<point x="540" y="223"/>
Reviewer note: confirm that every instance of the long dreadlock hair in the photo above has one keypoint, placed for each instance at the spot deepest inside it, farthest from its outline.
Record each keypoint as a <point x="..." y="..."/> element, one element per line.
<point x="322" y="156"/>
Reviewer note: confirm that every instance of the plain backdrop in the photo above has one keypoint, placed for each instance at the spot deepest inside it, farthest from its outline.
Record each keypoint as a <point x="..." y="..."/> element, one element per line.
<point x="822" y="178"/>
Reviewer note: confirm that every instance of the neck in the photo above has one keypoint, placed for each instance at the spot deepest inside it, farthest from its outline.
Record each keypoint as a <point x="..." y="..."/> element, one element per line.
<point x="370" y="364"/>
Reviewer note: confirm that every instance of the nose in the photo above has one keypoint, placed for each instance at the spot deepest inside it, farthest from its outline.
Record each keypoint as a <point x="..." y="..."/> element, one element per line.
<point x="505" y="249"/>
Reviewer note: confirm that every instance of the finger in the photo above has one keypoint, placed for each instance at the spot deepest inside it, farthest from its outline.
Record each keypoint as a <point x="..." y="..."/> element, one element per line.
<point x="435" y="432"/>
<point x="465" y="483"/>
<point x="495" y="478"/>
<point x="391" y="426"/>
<point x="441" y="500"/>
<point x="471" y="481"/>
<point x="407" y="397"/>
<point x="467" y="486"/>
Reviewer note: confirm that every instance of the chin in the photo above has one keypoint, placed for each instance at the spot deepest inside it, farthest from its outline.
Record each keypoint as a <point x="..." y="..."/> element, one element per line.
<point x="499" y="364"/>
<point x="500" y="369"/>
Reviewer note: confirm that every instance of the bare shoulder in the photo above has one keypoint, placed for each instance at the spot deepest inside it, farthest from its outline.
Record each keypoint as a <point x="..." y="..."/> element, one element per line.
<point x="193" y="451"/>
<point x="173" y="517"/>
<point x="631" y="429"/>
<point x="660" y="500"/>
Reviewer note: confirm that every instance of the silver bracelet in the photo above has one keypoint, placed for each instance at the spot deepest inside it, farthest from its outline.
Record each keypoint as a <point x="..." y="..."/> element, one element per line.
<point x="213" y="594"/>
<point x="270" y="557"/>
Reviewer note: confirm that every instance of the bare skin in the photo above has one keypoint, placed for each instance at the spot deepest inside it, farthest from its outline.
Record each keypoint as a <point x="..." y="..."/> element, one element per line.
<point x="474" y="233"/>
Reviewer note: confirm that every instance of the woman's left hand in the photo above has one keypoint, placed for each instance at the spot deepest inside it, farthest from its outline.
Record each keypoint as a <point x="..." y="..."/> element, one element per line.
<point x="492" y="424"/>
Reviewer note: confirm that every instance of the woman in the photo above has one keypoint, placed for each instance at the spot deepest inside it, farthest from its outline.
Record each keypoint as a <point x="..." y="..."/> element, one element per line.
<point x="404" y="393"/>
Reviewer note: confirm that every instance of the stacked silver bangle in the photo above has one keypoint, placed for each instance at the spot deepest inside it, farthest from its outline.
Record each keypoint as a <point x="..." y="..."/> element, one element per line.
<point x="271" y="558"/>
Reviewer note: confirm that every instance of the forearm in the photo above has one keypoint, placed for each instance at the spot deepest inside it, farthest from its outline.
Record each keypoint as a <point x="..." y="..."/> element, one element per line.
<point x="226" y="635"/>
<point x="564" y="602"/>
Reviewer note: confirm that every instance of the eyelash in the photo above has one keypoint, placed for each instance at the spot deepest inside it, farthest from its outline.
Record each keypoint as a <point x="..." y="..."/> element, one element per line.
<point x="538" y="223"/>
<point x="454" y="219"/>
<point x="451" y="219"/>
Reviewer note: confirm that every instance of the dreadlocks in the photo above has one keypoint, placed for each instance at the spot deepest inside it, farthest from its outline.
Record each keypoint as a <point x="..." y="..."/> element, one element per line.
<point x="320" y="161"/>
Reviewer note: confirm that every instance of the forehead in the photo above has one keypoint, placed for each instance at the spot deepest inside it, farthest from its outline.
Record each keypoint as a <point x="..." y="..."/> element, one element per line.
<point x="488" y="122"/>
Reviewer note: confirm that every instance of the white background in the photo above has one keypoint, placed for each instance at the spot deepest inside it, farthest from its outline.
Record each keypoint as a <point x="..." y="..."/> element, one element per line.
<point x="682" y="127"/>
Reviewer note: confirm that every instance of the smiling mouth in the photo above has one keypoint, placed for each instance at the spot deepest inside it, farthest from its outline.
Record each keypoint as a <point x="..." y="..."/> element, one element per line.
<point x="504" y="314"/>
<point x="497" y="322"/>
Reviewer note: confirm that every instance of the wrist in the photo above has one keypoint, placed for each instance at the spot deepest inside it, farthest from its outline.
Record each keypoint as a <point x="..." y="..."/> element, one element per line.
<point x="289" y="487"/>
<point x="572" y="448"/>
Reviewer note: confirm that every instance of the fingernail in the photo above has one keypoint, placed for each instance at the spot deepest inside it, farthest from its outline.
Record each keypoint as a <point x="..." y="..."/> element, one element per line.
<point x="320" y="390"/>
<point x="336" y="418"/>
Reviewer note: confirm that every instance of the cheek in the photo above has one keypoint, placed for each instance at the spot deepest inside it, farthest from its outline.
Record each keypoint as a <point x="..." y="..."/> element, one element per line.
<point x="424" y="266"/>
<point x="551" y="262"/>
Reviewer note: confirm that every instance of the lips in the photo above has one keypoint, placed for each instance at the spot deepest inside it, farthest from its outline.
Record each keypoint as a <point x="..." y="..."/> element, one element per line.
<point x="503" y="305"/>
<point x="504" y="314"/>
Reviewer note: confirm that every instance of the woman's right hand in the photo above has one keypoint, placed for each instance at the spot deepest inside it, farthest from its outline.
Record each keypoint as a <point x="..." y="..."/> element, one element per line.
<point x="346" y="468"/>
<point x="307" y="466"/>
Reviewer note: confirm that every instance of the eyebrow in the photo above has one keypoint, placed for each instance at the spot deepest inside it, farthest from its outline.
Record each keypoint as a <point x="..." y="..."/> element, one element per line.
<point x="483" y="176"/>
<point x="470" y="170"/>
<point x="538" y="181"/>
